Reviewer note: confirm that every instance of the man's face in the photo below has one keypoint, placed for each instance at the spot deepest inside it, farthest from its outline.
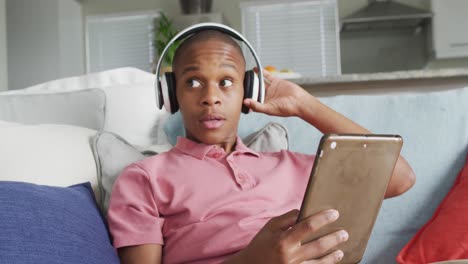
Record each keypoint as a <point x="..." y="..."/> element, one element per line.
<point x="209" y="87"/>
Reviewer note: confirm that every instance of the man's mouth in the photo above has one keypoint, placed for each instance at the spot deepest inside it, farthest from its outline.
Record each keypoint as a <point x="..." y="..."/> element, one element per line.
<point x="212" y="121"/>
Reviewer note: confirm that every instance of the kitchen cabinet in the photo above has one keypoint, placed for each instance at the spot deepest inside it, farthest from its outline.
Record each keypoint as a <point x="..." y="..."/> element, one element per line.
<point x="450" y="23"/>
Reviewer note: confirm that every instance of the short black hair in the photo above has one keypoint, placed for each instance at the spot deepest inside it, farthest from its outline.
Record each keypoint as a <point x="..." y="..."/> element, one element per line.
<point x="202" y="36"/>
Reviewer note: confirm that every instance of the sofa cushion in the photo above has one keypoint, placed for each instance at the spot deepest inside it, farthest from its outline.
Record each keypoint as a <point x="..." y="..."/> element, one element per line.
<point x="81" y="108"/>
<point x="459" y="261"/>
<point x="113" y="153"/>
<point x="109" y="78"/>
<point x="434" y="126"/>
<point x="273" y="137"/>
<point x="445" y="235"/>
<point x="57" y="155"/>
<point x="130" y="109"/>
<point x="131" y="112"/>
<point x="8" y="124"/>
<point x="44" y="224"/>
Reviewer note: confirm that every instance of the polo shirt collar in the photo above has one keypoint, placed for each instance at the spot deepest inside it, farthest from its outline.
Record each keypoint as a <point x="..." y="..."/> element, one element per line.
<point x="200" y="150"/>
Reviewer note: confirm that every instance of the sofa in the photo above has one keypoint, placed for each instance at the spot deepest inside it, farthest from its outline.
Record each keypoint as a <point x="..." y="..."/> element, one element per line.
<point x="64" y="142"/>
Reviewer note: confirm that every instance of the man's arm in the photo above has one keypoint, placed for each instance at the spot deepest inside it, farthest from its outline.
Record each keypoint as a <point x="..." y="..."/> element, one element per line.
<point x="285" y="98"/>
<point x="142" y="254"/>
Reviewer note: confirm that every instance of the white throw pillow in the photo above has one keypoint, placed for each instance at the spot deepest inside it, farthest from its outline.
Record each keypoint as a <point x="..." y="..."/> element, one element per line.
<point x="130" y="102"/>
<point x="85" y="108"/>
<point x="55" y="155"/>
<point x="131" y="112"/>
<point x="8" y="124"/>
<point x="109" y="78"/>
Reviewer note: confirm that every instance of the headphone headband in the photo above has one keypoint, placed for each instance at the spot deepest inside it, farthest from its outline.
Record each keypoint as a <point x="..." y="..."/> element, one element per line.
<point x="214" y="26"/>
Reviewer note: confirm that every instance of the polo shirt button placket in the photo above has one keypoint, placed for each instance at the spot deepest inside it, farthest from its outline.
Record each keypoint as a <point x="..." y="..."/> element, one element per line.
<point x="217" y="155"/>
<point x="243" y="181"/>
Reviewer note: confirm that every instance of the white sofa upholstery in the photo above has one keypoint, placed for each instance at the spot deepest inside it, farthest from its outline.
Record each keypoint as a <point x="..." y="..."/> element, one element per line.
<point x="434" y="126"/>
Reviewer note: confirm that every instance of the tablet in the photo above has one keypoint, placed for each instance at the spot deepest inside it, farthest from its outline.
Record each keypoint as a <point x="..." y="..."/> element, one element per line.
<point x="350" y="174"/>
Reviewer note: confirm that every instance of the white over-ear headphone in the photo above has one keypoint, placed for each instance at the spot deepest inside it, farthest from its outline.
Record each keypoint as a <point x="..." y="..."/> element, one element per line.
<point x="165" y="85"/>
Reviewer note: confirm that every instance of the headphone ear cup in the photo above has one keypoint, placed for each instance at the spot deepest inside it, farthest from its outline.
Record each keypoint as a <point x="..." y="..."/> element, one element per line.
<point x="248" y="89"/>
<point x="159" y="95"/>
<point x="168" y="97"/>
<point x="171" y="89"/>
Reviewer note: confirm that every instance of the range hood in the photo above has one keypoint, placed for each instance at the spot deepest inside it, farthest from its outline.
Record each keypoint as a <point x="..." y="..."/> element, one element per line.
<point x="385" y="14"/>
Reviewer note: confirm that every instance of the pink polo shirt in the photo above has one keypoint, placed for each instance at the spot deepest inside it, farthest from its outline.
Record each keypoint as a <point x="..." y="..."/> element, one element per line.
<point x="202" y="204"/>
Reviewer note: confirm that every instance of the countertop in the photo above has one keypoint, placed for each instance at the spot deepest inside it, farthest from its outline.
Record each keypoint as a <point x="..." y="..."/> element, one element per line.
<point x="384" y="76"/>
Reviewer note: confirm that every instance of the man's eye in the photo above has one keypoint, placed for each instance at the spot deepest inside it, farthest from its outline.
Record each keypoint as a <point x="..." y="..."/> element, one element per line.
<point x="194" y="83"/>
<point x="226" y="83"/>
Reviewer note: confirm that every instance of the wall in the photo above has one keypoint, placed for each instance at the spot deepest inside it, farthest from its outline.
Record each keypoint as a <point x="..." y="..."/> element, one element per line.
<point x="230" y="9"/>
<point x="232" y="14"/>
<point x="45" y="41"/>
<point x="71" y="38"/>
<point x="32" y="41"/>
<point x="3" y="48"/>
<point x="101" y="7"/>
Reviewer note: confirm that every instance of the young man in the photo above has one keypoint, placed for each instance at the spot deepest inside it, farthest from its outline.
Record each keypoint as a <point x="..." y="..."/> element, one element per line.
<point x="210" y="199"/>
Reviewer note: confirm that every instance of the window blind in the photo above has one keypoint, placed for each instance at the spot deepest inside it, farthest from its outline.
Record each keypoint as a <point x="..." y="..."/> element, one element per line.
<point x="121" y="40"/>
<point x="302" y="36"/>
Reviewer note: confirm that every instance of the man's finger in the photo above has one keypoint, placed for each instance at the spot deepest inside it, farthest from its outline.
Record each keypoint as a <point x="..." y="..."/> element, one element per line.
<point x="284" y="221"/>
<point x="267" y="77"/>
<point x="322" y="245"/>
<point x="333" y="257"/>
<point x="312" y="224"/>
<point x="255" y="106"/>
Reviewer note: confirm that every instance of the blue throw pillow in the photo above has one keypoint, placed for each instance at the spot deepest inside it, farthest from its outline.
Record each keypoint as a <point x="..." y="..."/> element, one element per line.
<point x="43" y="224"/>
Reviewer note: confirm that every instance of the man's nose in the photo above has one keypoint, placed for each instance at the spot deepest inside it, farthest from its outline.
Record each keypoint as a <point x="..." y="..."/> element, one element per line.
<point x="211" y="96"/>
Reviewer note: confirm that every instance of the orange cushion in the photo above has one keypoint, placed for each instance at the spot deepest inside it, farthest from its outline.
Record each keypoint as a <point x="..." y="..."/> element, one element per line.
<point x="445" y="236"/>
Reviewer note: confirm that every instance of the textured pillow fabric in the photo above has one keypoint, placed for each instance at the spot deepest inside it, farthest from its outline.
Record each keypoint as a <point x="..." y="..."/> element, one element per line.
<point x="113" y="153"/>
<point x="460" y="261"/>
<point x="445" y="236"/>
<point x="57" y="155"/>
<point x="272" y="137"/>
<point x="43" y="224"/>
<point x="80" y="108"/>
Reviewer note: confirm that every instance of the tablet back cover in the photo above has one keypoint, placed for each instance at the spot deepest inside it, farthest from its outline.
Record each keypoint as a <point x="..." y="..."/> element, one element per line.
<point x="351" y="174"/>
